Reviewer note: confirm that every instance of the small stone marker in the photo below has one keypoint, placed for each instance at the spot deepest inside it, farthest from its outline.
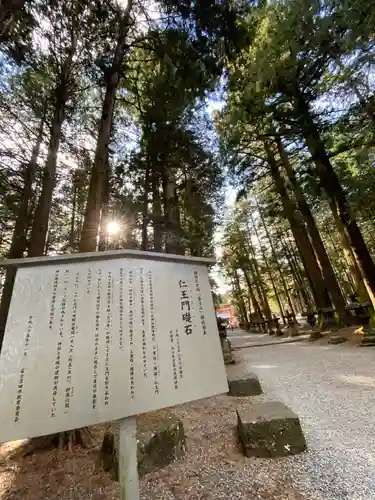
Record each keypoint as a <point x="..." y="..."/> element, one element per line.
<point x="270" y="429"/>
<point x="246" y="384"/>
<point x="227" y="352"/>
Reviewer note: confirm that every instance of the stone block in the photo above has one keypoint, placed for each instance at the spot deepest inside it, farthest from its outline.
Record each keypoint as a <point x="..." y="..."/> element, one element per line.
<point x="160" y="441"/>
<point x="368" y="341"/>
<point x="337" y="339"/>
<point x="269" y="429"/>
<point x="246" y="384"/>
<point x="315" y="335"/>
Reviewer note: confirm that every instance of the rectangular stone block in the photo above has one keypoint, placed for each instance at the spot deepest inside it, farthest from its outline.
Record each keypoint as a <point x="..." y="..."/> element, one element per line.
<point x="245" y="384"/>
<point x="269" y="429"/>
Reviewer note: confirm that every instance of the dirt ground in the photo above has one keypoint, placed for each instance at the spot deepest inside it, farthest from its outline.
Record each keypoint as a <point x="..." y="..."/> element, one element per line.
<point x="213" y="468"/>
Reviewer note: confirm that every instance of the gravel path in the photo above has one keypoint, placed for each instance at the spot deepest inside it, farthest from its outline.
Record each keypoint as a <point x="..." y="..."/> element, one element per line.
<point x="332" y="389"/>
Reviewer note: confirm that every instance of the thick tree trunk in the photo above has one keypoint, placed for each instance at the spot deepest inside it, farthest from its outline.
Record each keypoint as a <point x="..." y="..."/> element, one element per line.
<point x="320" y="293"/>
<point x="19" y="241"/>
<point x="240" y="298"/>
<point x="317" y="243"/>
<point x="254" y="300"/>
<point x="144" y="243"/>
<point x="354" y="270"/>
<point x="72" y="232"/>
<point x="39" y="230"/>
<point x="335" y="193"/>
<point x="156" y="213"/>
<point x="94" y="205"/>
<point x="171" y="213"/>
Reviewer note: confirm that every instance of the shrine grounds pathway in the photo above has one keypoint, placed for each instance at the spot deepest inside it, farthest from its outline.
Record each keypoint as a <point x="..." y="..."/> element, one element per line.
<point x="332" y="389"/>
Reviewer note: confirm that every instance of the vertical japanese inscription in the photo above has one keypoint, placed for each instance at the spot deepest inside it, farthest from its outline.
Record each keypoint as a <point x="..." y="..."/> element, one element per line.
<point x="22" y="371"/>
<point x="179" y="356"/>
<point x="63" y="303"/>
<point x="56" y="376"/>
<point x="73" y="333"/>
<point x="185" y="307"/>
<point x="174" y="359"/>
<point x="108" y="338"/>
<point x="53" y="302"/>
<point x="200" y="302"/>
<point x="88" y="284"/>
<point x="96" y="338"/>
<point x="155" y="352"/>
<point x="131" y="334"/>
<point x="143" y="321"/>
<point x="121" y="310"/>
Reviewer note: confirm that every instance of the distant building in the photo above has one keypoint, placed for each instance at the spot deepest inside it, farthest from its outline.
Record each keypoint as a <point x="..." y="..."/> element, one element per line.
<point x="227" y="312"/>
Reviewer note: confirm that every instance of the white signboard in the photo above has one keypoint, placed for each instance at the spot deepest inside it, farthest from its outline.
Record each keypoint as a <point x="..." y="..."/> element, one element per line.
<point x="89" y="342"/>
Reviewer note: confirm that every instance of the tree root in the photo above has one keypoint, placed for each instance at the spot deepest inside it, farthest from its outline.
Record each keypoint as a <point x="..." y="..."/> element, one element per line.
<point x="62" y="441"/>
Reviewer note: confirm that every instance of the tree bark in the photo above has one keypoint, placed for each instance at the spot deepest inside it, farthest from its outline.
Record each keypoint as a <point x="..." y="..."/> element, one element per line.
<point x="19" y="238"/>
<point x="72" y="232"/>
<point x="320" y="293"/>
<point x="335" y="193"/>
<point x="317" y="243"/>
<point x="39" y="229"/>
<point x="354" y="270"/>
<point x="171" y="213"/>
<point x="94" y="205"/>
<point x="156" y="212"/>
<point x="241" y="301"/>
<point x="144" y="243"/>
<point x="254" y="300"/>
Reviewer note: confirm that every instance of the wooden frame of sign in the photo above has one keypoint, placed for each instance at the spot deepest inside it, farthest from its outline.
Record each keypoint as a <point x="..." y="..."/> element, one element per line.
<point x="105" y="336"/>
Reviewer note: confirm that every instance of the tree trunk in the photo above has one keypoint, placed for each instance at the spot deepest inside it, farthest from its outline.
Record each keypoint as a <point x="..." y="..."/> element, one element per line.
<point x="354" y="270"/>
<point x="171" y="213"/>
<point x="285" y="288"/>
<point x="317" y="243"/>
<point x="156" y="212"/>
<point x="43" y="209"/>
<point x="335" y="193"/>
<point x="321" y="297"/>
<point x="72" y="232"/>
<point x="39" y="230"/>
<point x="258" y="283"/>
<point x="256" y="306"/>
<point x="94" y="205"/>
<point x="19" y="242"/>
<point x="266" y="263"/>
<point x="241" y="301"/>
<point x="144" y="244"/>
<point x="299" y="276"/>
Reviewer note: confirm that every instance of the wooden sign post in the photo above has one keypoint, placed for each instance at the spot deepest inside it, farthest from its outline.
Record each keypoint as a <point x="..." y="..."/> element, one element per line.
<point x="105" y="336"/>
<point x="128" y="473"/>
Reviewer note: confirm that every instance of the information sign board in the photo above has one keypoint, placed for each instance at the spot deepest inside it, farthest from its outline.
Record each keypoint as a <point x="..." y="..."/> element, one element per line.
<point x="94" y="341"/>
